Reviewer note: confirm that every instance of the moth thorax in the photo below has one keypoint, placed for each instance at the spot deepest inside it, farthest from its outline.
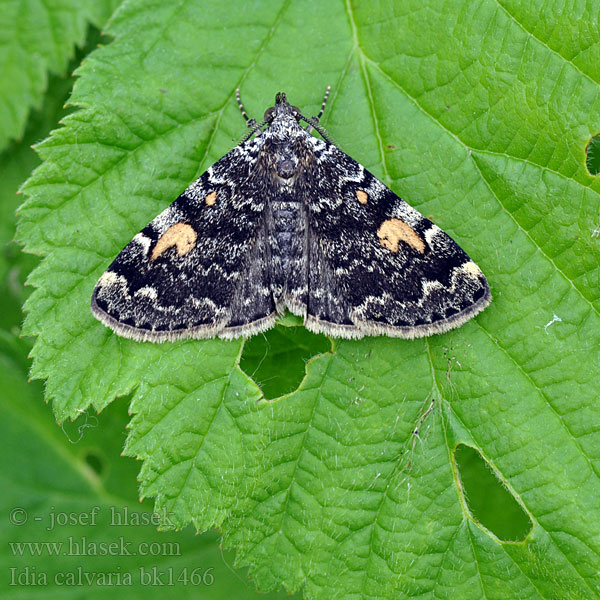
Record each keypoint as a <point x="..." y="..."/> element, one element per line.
<point x="284" y="159"/>
<point x="286" y="167"/>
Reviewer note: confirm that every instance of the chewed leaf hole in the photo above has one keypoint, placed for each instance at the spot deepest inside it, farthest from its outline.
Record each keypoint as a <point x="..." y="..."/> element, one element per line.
<point x="276" y="360"/>
<point x="490" y="503"/>
<point x="592" y="159"/>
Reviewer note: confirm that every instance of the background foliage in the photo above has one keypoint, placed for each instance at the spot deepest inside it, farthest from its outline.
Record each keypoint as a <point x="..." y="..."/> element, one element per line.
<point x="463" y="465"/>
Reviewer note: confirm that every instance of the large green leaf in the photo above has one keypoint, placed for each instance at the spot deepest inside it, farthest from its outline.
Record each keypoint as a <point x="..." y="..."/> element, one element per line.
<point x="479" y="116"/>
<point x="37" y="37"/>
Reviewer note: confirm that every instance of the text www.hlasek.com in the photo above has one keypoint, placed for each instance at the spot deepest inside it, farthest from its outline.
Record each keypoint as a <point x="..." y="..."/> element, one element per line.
<point x="85" y="547"/>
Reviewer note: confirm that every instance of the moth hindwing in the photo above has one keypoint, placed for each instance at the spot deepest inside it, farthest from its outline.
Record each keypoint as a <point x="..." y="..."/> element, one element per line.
<point x="287" y="220"/>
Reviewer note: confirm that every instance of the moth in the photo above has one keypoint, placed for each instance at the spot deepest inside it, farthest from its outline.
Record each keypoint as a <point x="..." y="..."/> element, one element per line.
<point x="287" y="220"/>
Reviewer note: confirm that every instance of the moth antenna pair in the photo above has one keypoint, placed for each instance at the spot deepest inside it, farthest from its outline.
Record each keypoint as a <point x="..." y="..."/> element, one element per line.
<point x="312" y="123"/>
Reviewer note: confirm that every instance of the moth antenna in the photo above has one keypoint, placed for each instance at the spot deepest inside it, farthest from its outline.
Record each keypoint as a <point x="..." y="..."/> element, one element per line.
<point x="313" y="122"/>
<point x="325" y="97"/>
<point x="255" y="128"/>
<point x="241" y="107"/>
<point x="252" y="124"/>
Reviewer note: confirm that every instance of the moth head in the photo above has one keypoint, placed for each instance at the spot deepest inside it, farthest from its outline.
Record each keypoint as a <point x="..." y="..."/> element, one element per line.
<point x="282" y="107"/>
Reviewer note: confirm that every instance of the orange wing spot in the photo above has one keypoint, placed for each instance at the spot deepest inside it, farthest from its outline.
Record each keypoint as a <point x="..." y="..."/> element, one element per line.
<point x="393" y="231"/>
<point x="362" y="196"/>
<point x="210" y="198"/>
<point x="181" y="235"/>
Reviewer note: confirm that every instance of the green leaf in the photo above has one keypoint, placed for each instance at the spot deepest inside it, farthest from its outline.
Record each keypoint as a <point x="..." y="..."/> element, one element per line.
<point x="477" y="116"/>
<point x="37" y="38"/>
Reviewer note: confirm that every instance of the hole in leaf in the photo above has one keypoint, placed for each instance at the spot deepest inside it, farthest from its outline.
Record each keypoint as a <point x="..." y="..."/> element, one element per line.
<point x="490" y="503"/>
<point x="277" y="358"/>
<point x="95" y="462"/>
<point x="592" y="151"/>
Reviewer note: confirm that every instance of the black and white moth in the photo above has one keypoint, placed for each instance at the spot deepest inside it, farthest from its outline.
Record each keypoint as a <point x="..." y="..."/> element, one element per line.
<point x="288" y="220"/>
